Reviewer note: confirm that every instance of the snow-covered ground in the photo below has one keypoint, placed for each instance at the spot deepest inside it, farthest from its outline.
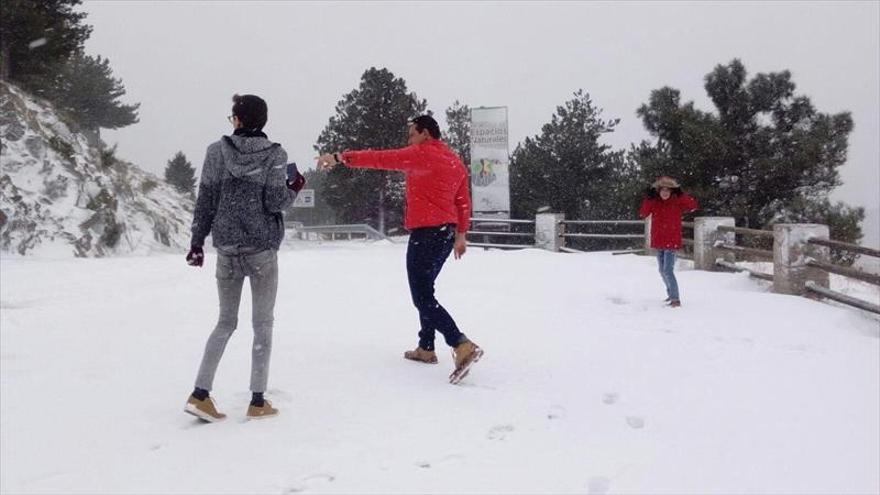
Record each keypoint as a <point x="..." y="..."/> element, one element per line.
<point x="588" y="385"/>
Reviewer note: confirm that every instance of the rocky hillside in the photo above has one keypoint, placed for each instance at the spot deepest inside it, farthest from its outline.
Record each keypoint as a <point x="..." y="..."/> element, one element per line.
<point x="62" y="193"/>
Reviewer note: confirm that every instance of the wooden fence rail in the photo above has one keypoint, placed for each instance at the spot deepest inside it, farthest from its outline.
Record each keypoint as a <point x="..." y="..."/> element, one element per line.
<point x="743" y="230"/>
<point x="842" y="298"/>
<point x="846" y="271"/>
<point x="855" y="248"/>
<point x="762" y="253"/>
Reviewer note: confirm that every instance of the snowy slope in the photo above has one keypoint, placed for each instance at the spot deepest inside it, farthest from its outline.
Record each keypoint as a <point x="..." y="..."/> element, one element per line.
<point x="59" y="197"/>
<point x="588" y="385"/>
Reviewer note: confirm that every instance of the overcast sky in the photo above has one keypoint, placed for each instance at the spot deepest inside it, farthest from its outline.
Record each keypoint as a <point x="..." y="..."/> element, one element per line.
<point x="183" y="61"/>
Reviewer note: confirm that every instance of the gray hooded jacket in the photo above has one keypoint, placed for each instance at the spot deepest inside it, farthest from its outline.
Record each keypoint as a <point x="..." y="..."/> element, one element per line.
<point x="242" y="192"/>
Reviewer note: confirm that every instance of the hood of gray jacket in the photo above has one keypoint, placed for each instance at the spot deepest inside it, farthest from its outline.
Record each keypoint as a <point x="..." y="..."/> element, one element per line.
<point x="248" y="155"/>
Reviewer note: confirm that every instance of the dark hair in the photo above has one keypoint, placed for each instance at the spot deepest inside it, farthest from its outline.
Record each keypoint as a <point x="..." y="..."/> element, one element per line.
<point x="251" y="110"/>
<point x="423" y="122"/>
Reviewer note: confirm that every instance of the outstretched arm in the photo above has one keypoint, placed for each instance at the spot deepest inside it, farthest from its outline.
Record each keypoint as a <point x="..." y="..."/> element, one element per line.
<point x="400" y="159"/>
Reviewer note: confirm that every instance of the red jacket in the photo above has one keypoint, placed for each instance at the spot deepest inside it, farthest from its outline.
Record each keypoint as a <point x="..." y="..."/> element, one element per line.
<point x="666" y="219"/>
<point x="437" y="189"/>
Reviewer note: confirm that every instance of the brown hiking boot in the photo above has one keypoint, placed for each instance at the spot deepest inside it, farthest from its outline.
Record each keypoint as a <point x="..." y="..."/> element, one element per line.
<point x="466" y="354"/>
<point x="205" y="410"/>
<point x="266" y="411"/>
<point x="675" y="303"/>
<point x="422" y="355"/>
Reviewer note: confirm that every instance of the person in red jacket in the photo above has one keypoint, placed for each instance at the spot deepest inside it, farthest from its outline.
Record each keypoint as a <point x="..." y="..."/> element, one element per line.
<point x="665" y="203"/>
<point x="438" y="212"/>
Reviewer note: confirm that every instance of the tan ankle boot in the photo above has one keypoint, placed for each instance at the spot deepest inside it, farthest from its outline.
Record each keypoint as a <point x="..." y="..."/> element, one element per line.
<point x="267" y="411"/>
<point x="203" y="409"/>
<point x="466" y="354"/>
<point x="422" y="355"/>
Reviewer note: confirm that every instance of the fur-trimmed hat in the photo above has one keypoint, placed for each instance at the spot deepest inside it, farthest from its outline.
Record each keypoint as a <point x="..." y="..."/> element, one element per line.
<point x="665" y="181"/>
<point x="251" y="110"/>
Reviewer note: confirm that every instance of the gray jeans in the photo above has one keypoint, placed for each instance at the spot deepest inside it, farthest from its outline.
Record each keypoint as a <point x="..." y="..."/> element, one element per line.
<point x="262" y="269"/>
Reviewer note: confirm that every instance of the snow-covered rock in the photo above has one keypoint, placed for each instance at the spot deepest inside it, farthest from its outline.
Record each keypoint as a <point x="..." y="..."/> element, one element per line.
<point x="63" y="194"/>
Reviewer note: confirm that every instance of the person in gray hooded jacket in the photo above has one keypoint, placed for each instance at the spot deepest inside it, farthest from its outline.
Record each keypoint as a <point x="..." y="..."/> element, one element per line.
<point x="244" y="187"/>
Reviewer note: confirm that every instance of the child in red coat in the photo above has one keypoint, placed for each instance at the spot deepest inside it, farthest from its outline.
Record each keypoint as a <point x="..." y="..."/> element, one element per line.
<point x="665" y="202"/>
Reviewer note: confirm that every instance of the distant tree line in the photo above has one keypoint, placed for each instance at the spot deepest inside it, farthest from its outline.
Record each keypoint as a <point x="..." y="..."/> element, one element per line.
<point x="764" y="155"/>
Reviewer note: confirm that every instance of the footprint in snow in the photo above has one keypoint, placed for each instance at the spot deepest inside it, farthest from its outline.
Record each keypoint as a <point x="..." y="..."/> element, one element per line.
<point x="635" y="422"/>
<point x="499" y="432"/>
<point x="598" y="485"/>
<point x="556" y="412"/>
<point x="440" y="462"/>
<point x="310" y="482"/>
<point x="609" y="398"/>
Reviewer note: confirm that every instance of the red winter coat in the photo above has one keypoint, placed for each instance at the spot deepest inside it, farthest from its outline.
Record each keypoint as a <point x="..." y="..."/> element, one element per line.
<point x="437" y="189"/>
<point x="666" y="219"/>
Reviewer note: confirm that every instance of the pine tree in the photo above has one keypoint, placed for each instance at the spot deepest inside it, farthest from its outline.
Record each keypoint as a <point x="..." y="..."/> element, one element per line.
<point x="567" y="170"/>
<point x="36" y="36"/>
<point x="458" y="132"/>
<point x="86" y="90"/>
<point x="765" y="154"/>
<point x="181" y="174"/>
<point x="372" y="116"/>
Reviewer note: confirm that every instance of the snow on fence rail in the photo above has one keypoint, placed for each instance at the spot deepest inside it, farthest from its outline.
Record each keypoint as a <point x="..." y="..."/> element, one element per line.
<point x="854" y="273"/>
<point x="841" y="298"/>
<point x="846" y="246"/>
<point x="756" y="252"/>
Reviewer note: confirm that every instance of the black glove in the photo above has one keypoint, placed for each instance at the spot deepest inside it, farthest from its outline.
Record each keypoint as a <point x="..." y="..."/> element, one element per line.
<point x="195" y="257"/>
<point x="296" y="184"/>
<point x="295" y="180"/>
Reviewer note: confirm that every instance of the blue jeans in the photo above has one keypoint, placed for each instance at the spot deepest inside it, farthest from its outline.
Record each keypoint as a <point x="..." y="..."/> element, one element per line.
<point x="666" y="260"/>
<point x="427" y="251"/>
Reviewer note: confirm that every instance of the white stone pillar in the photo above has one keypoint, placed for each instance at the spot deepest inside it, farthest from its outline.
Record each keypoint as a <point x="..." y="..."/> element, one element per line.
<point x="706" y="235"/>
<point x="648" y="250"/>
<point x="549" y="230"/>
<point x="790" y="254"/>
